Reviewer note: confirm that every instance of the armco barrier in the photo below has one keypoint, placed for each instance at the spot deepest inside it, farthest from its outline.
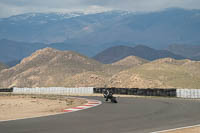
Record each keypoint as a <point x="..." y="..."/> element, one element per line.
<point x="181" y="93"/>
<point x="6" y="90"/>
<point x="54" y="90"/>
<point x="140" y="91"/>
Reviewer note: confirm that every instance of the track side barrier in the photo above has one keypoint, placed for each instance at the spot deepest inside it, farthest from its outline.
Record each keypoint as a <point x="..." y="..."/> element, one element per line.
<point x="140" y="91"/>
<point x="6" y="90"/>
<point x="188" y="93"/>
<point x="180" y="93"/>
<point x="55" y="90"/>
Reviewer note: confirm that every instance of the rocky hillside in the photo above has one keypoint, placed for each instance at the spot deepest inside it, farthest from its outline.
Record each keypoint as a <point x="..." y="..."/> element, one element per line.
<point x="50" y="67"/>
<point x="162" y="73"/>
<point x="130" y="61"/>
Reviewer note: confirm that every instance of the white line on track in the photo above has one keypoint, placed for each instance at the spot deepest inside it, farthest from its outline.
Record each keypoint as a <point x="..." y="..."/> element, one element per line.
<point x="176" y="129"/>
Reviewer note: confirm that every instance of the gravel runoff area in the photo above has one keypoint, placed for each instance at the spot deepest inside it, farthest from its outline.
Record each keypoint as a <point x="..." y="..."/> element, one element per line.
<point x="25" y="106"/>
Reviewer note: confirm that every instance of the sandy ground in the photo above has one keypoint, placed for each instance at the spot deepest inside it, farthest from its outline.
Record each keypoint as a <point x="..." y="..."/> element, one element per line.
<point x="21" y="106"/>
<point x="187" y="130"/>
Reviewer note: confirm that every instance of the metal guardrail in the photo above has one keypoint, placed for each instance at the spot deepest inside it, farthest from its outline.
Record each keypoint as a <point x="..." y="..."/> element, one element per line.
<point x="6" y="90"/>
<point x="180" y="93"/>
<point x="140" y="91"/>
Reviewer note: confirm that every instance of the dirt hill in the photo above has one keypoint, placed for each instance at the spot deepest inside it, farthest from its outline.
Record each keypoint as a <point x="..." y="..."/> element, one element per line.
<point x="50" y="67"/>
<point x="130" y="61"/>
<point x="162" y="73"/>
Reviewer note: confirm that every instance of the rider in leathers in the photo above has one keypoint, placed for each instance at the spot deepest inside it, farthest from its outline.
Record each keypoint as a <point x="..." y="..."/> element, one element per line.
<point x="107" y="94"/>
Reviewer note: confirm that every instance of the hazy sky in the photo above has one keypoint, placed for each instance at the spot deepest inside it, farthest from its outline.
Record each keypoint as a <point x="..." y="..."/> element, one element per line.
<point x="13" y="7"/>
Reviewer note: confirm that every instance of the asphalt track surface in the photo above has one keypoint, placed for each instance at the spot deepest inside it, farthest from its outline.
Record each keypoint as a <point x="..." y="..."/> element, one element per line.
<point x="130" y="115"/>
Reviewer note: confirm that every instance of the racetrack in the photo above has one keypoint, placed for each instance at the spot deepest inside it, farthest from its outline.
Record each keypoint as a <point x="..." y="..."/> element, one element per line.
<point x="130" y="115"/>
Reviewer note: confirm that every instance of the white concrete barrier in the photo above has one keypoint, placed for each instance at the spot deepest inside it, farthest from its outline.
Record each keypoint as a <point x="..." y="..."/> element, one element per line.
<point x="55" y="90"/>
<point x="188" y="93"/>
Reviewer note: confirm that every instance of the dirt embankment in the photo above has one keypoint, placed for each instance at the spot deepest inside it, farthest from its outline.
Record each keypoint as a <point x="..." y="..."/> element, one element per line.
<point x="23" y="106"/>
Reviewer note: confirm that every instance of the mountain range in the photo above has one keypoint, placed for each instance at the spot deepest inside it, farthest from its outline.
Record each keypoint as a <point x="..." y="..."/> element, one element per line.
<point x="186" y="50"/>
<point x="154" y="29"/>
<point x="101" y="49"/>
<point x="90" y="34"/>
<point x="51" y="67"/>
<point x="117" y="53"/>
<point x="11" y="52"/>
<point x="2" y="66"/>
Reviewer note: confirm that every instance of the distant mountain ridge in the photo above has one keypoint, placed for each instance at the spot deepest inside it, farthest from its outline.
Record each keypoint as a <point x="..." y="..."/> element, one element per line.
<point x="187" y="50"/>
<point x="117" y="53"/>
<point x="155" y="29"/>
<point x="197" y="58"/>
<point x="11" y="52"/>
<point x="2" y="66"/>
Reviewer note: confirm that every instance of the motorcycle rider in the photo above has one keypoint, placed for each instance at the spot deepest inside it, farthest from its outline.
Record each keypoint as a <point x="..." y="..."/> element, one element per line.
<point x="108" y="94"/>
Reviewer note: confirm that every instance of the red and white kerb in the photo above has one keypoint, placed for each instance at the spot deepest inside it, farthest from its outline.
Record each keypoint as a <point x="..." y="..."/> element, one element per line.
<point x="89" y="104"/>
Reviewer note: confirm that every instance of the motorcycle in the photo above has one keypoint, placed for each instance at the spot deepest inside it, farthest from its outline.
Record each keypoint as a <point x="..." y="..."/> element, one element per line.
<point x="113" y="99"/>
<point x="109" y="95"/>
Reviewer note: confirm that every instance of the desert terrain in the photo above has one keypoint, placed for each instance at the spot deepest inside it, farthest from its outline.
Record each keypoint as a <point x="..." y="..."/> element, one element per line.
<point x="26" y="106"/>
<point x="53" y="68"/>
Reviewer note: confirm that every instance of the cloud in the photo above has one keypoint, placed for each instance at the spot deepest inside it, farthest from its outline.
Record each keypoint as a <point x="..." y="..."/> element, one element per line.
<point x="146" y="5"/>
<point x="7" y="10"/>
<point x="13" y="7"/>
